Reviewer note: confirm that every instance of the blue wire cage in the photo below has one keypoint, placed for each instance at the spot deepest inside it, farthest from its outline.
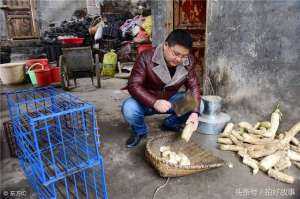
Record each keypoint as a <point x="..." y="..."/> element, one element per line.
<point x="88" y="183"/>
<point x="56" y="134"/>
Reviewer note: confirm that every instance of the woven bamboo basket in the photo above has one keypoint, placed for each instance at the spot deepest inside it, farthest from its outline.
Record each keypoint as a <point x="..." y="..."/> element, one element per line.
<point x="201" y="159"/>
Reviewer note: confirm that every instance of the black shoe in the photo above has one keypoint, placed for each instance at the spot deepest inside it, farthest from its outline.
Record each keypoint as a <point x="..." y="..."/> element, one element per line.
<point x="134" y="140"/>
<point x="164" y="127"/>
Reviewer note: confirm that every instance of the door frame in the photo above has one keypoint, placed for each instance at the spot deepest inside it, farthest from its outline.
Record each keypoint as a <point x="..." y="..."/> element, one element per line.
<point x="170" y="26"/>
<point x="34" y="21"/>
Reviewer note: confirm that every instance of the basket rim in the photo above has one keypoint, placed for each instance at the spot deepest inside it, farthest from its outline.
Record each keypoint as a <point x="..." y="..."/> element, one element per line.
<point x="160" y="159"/>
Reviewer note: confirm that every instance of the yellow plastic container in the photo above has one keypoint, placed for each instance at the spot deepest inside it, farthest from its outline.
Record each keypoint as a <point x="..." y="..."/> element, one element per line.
<point x="109" y="64"/>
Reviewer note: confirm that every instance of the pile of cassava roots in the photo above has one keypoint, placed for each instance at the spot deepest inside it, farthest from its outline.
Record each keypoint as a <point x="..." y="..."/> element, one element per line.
<point x="261" y="147"/>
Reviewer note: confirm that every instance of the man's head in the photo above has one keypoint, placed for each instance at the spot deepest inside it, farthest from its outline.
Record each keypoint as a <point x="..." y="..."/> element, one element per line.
<point x="177" y="47"/>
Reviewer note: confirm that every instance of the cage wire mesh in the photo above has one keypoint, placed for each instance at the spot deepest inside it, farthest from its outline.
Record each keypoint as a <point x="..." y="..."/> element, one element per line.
<point x="57" y="137"/>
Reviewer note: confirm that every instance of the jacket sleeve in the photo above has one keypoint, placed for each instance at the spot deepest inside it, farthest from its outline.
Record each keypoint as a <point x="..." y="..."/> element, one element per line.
<point x="136" y="83"/>
<point x="192" y="84"/>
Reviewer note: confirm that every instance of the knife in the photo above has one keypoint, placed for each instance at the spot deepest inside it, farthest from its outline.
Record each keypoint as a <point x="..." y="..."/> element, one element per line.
<point x="184" y="105"/>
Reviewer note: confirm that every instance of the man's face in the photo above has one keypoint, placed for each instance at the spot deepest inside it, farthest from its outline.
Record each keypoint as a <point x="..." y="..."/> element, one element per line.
<point x="175" y="55"/>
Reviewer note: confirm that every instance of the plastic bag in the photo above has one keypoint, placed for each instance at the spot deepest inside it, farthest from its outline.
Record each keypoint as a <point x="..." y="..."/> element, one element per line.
<point x="109" y="64"/>
<point x="99" y="31"/>
<point x="147" y="25"/>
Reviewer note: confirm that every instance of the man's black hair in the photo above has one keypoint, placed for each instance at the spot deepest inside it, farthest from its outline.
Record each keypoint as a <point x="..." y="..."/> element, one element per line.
<point x="146" y="12"/>
<point x="180" y="37"/>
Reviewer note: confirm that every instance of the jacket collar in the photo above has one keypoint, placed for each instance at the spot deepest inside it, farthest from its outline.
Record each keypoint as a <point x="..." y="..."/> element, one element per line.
<point x="161" y="70"/>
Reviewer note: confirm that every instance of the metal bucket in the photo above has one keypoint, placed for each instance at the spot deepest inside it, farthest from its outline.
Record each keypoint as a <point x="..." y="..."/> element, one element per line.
<point x="213" y="124"/>
<point x="212" y="120"/>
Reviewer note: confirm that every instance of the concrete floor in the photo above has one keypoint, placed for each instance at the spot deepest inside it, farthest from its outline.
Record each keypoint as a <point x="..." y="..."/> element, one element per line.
<point x="130" y="176"/>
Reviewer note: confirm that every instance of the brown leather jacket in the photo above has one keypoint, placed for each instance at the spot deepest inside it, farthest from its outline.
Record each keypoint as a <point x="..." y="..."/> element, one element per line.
<point x="150" y="79"/>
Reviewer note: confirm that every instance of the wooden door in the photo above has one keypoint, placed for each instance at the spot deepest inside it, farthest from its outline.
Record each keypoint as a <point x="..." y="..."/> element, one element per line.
<point x="20" y="19"/>
<point x="191" y="16"/>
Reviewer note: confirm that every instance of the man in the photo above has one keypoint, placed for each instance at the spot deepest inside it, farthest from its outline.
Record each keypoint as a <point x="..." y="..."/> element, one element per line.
<point x="155" y="80"/>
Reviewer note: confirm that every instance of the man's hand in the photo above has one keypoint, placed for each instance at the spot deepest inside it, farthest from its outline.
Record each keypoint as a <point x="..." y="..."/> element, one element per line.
<point x="194" y="119"/>
<point x="162" y="106"/>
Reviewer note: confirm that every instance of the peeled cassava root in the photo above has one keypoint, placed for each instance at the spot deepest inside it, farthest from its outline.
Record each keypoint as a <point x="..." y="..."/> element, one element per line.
<point x="283" y="163"/>
<point x="224" y="141"/>
<point x="297" y="164"/>
<point x="174" y="158"/>
<point x="278" y="175"/>
<point x="270" y="161"/>
<point x="262" y="148"/>
<point x="247" y="160"/>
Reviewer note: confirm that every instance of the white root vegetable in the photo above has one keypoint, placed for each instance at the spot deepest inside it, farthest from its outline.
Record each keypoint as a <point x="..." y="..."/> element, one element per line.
<point x="290" y="134"/>
<point x="172" y="161"/>
<point x="243" y="153"/>
<point x="257" y="125"/>
<point x="251" y="163"/>
<point x="177" y="158"/>
<point x="295" y="141"/>
<point x="184" y="160"/>
<point x="182" y="156"/>
<point x="263" y="128"/>
<point x="261" y="148"/>
<point x="267" y="149"/>
<point x="270" y="161"/>
<point x="254" y="147"/>
<point x="265" y="124"/>
<point x="224" y="141"/>
<point x="261" y="131"/>
<point x="227" y="130"/>
<point x="187" y="132"/>
<point x="280" y="136"/>
<point x="275" y="118"/>
<point x="255" y="140"/>
<point x="230" y="147"/>
<point x="247" y="160"/>
<point x="173" y="158"/>
<point x="283" y="163"/>
<point x="281" y="176"/>
<point x="295" y="148"/>
<point x="165" y="154"/>
<point x="274" y="146"/>
<point x="164" y="148"/>
<point x="253" y="130"/>
<point x="235" y="140"/>
<point x="245" y="125"/>
<point x="255" y="136"/>
<point x="237" y="135"/>
<point x="293" y="155"/>
<point x="297" y="164"/>
<point x="249" y="138"/>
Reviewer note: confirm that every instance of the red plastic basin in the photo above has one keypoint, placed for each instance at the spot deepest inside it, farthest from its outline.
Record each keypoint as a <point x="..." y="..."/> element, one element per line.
<point x="55" y="74"/>
<point x="43" y="77"/>
<point x="76" y="40"/>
